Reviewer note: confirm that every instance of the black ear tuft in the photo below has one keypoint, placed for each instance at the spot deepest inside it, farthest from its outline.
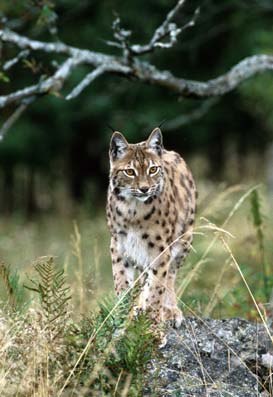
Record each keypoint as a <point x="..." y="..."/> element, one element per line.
<point x="110" y="127"/>
<point x="118" y="146"/>
<point x="155" y="141"/>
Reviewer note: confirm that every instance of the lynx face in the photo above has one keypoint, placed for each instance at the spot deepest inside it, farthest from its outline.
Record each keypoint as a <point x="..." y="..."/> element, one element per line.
<point x="136" y="170"/>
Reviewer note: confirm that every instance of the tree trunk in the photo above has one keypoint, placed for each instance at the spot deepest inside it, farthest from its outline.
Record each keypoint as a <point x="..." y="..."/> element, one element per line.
<point x="8" y="190"/>
<point x="31" y="206"/>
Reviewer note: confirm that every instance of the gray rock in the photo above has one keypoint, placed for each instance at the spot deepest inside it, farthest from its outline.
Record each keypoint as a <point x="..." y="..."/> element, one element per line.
<point x="212" y="358"/>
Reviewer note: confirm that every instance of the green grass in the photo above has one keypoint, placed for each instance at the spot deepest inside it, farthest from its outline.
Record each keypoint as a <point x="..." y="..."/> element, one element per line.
<point x="65" y="334"/>
<point x="21" y="243"/>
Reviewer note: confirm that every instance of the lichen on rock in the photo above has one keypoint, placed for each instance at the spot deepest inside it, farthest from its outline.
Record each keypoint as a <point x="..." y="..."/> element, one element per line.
<point x="208" y="357"/>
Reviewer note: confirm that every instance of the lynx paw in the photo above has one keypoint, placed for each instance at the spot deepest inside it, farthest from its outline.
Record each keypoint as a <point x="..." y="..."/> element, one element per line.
<point x="155" y="315"/>
<point x="173" y="315"/>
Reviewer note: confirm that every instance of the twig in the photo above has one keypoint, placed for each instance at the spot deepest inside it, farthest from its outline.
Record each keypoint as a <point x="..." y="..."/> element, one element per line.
<point x="23" y="54"/>
<point x="51" y="84"/>
<point x="166" y="29"/>
<point x="122" y="37"/>
<point x="195" y="115"/>
<point x="88" y="79"/>
<point x="15" y="116"/>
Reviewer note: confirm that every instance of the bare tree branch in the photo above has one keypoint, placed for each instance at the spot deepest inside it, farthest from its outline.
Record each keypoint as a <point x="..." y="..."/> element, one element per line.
<point x="140" y="70"/>
<point x="221" y="85"/>
<point x="22" y="54"/>
<point x="122" y="37"/>
<point x="95" y="58"/>
<point x="15" y="116"/>
<point x="166" y="29"/>
<point x="86" y="81"/>
<point x="51" y="84"/>
<point x="127" y="65"/>
<point x="196" y="114"/>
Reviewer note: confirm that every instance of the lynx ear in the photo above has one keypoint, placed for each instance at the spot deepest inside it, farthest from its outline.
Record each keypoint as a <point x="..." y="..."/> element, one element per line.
<point x="118" y="146"/>
<point x="155" y="141"/>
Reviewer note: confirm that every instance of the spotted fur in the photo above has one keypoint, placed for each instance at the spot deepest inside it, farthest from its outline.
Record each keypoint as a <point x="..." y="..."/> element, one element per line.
<point x="150" y="212"/>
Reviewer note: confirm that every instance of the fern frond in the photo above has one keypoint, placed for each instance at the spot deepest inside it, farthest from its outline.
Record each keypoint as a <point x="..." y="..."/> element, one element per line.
<point x="52" y="289"/>
<point x="137" y="344"/>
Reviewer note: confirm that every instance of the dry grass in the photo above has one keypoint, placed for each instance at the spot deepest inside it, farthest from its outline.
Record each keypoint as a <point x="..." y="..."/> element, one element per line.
<point x="221" y="278"/>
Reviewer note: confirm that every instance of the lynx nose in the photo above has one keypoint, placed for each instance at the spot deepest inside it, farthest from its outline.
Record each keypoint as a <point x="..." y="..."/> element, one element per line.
<point x="144" y="189"/>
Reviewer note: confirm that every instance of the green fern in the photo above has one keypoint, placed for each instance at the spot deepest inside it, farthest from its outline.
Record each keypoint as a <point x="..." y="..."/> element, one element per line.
<point x="134" y="349"/>
<point x="136" y="346"/>
<point x="51" y="287"/>
<point x="134" y="342"/>
<point x="122" y="348"/>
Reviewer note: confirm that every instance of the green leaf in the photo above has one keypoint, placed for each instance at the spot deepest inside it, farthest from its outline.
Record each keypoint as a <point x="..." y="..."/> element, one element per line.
<point x="4" y="77"/>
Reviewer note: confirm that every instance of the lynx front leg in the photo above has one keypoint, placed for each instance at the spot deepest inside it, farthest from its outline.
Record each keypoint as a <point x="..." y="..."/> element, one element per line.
<point x="171" y="311"/>
<point x="152" y="296"/>
<point x="123" y="271"/>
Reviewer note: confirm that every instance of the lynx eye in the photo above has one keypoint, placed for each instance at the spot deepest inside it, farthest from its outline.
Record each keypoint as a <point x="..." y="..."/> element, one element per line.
<point x="153" y="170"/>
<point x="129" y="172"/>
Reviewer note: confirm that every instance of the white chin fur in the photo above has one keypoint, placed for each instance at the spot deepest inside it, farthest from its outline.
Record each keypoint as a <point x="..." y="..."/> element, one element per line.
<point x="143" y="198"/>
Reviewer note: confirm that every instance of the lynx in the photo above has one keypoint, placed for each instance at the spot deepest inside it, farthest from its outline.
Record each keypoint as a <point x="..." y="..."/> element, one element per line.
<point x="150" y="212"/>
